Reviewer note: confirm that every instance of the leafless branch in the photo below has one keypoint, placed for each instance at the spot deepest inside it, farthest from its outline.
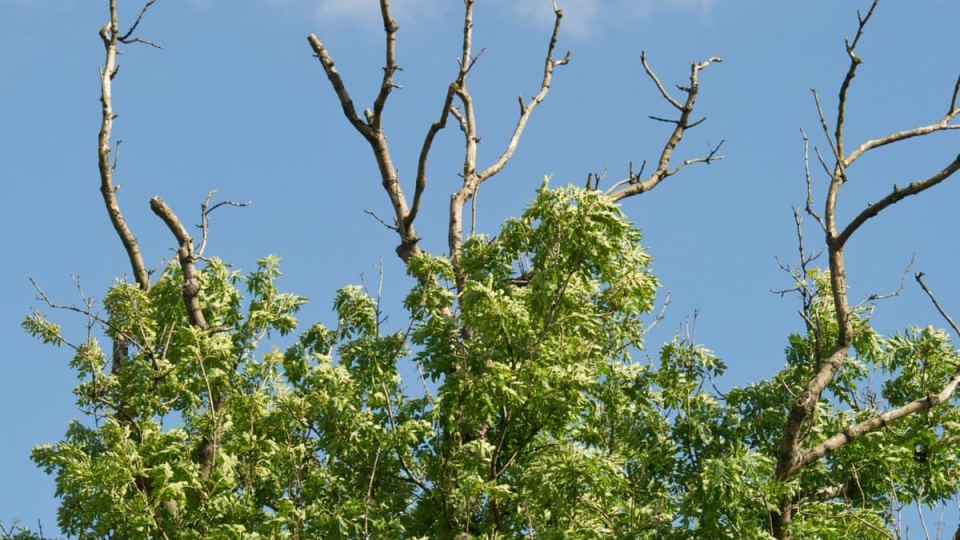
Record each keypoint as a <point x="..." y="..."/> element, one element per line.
<point x="125" y="38"/>
<point x="372" y="129"/>
<point x="187" y="259"/>
<point x="633" y="184"/>
<point x="936" y="304"/>
<point x="826" y="132"/>
<point x="903" y="280"/>
<point x="851" y="73"/>
<point x="472" y="177"/>
<point x="895" y="196"/>
<point x="806" y="171"/>
<point x="378" y="218"/>
<point x="425" y="152"/>
<point x="110" y="35"/>
<point x="205" y="211"/>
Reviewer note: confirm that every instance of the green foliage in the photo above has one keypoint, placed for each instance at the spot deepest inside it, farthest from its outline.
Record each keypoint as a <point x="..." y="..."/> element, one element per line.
<point x="533" y="417"/>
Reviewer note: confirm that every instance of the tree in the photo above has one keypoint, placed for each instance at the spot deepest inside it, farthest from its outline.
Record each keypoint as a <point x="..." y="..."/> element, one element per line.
<point x="532" y="416"/>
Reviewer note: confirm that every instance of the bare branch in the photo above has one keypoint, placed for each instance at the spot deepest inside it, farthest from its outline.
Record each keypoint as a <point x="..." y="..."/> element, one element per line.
<point x="330" y="68"/>
<point x="125" y="38"/>
<point x="187" y="258"/>
<point x="109" y="34"/>
<point x="903" y="280"/>
<point x="382" y="222"/>
<point x="943" y="312"/>
<point x="205" y="211"/>
<point x="633" y="185"/>
<point x="895" y="196"/>
<point x="425" y="151"/>
<point x="851" y="73"/>
<point x="656" y="81"/>
<point x="372" y="129"/>
<point x="390" y="64"/>
<point x="806" y="170"/>
<point x="942" y="125"/>
<point x="472" y="178"/>
<point x="826" y="133"/>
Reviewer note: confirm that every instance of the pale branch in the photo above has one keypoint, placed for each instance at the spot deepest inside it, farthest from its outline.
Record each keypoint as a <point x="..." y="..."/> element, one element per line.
<point x="942" y="125"/>
<point x="330" y="68"/>
<point x="848" y="78"/>
<point x="826" y="133"/>
<point x="806" y="171"/>
<point x="372" y="129"/>
<point x="634" y="184"/>
<point x="897" y="194"/>
<point x="527" y="110"/>
<point x="421" y="183"/>
<point x="110" y="35"/>
<point x="936" y="304"/>
<point x="187" y="259"/>
<point x="472" y="177"/>
<point x="205" y="211"/>
<point x="390" y="66"/>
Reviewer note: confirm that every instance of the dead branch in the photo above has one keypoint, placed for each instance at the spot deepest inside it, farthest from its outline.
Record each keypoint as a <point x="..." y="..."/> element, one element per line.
<point x="110" y="35"/>
<point x="472" y="177"/>
<point x="919" y="277"/>
<point x="896" y="195"/>
<point x="372" y="128"/>
<point x="634" y="184"/>
<point x="205" y="211"/>
<point x="187" y="259"/>
<point x="855" y="61"/>
<point x="806" y="171"/>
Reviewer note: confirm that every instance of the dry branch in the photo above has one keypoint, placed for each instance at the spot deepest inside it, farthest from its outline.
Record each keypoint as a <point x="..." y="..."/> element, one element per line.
<point x="110" y="35"/>
<point x="372" y="128"/>
<point x="472" y="176"/>
<point x="187" y="259"/>
<point x="635" y="184"/>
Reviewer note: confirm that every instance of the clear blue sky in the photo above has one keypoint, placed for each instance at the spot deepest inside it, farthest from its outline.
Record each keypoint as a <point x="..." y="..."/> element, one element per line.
<point x="236" y="102"/>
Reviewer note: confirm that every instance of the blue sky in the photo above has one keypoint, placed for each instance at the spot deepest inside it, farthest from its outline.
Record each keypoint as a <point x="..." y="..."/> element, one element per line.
<point x="236" y="102"/>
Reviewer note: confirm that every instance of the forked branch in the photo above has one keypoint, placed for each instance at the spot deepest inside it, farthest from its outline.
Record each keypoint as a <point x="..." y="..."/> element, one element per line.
<point x="472" y="176"/>
<point x="371" y="128"/>
<point x="635" y="184"/>
<point x="792" y="455"/>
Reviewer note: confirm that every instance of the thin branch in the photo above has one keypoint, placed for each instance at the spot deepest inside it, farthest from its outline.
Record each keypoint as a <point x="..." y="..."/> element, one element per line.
<point x="826" y="131"/>
<point x="895" y="196"/>
<point x="936" y="304"/>
<point x="851" y="73"/>
<point x="205" y="211"/>
<point x="125" y="38"/>
<point x="903" y="280"/>
<point x="472" y="178"/>
<point x="806" y="171"/>
<point x="633" y="185"/>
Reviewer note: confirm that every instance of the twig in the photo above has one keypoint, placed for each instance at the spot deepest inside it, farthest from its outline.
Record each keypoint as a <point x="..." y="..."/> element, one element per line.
<point x="919" y="277"/>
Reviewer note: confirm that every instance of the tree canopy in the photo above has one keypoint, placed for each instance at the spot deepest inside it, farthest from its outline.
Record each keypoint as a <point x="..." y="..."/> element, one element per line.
<point x="517" y="396"/>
